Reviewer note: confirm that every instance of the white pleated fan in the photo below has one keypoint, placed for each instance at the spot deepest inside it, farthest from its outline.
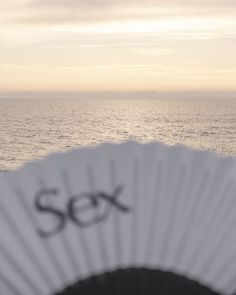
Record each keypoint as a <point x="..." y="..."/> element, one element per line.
<point x="120" y="219"/>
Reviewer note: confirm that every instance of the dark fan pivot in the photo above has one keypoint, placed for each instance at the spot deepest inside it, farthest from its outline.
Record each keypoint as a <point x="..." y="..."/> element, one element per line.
<point x="138" y="282"/>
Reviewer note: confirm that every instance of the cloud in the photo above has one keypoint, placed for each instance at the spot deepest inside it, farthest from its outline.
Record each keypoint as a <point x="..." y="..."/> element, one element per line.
<point x="87" y="11"/>
<point x="109" y="3"/>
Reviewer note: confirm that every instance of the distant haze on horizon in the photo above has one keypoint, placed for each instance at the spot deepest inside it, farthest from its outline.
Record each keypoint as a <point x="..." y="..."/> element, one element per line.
<point x="120" y="95"/>
<point x="111" y="45"/>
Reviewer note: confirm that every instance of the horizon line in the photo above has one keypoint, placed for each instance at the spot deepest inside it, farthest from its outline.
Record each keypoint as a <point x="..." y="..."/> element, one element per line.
<point x="119" y="94"/>
<point x="114" y="91"/>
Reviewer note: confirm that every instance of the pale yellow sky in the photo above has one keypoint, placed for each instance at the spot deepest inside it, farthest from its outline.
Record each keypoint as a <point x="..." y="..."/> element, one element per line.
<point x="92" y="45"/>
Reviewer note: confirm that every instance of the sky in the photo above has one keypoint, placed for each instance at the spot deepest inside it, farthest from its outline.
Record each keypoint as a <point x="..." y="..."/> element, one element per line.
<point x="111" y="45"/>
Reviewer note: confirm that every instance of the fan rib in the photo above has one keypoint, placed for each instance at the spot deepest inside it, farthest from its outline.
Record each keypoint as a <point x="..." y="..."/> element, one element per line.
<point x="212" y="188"/>
<point x="80" y="235"/>
<point x="211" y="244"/>
<point x="99" y="232"/>
<point x="63" y="237"/>
<point x="170" y="219"/>
<point x="67" y="186"/>
<point x="185" y="240"/>
<point x="24" y="244"/>
<point x="21" y="272"/>
<point x="14" y="290"/>
<point x="154" y="209"/>
<point x="50" y="253"/>
<point x="135" y="197"/>
<point x="184" y="215"/>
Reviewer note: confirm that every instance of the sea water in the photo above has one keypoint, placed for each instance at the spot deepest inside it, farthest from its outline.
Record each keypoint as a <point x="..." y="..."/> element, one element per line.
<point x="32" y="128"/>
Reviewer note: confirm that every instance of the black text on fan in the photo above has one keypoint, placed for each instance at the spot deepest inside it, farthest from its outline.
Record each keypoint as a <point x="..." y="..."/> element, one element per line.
<point x="84" y="209"/>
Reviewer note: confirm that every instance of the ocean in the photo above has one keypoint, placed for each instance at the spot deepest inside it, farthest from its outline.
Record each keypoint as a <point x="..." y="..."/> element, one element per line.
<point x="32" y="128"/>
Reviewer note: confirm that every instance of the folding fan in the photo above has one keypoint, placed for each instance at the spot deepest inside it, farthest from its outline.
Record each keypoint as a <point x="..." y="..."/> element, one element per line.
<point x="120" y="219"/>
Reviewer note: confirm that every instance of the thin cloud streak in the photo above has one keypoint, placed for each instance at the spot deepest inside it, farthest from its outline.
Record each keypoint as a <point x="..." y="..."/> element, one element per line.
<point x="158" y="69"/>
<point x="118" y="3"/>
<point x="120" y="34"/>
<point x="185" y="25"/>
<point x="39" y="12"/>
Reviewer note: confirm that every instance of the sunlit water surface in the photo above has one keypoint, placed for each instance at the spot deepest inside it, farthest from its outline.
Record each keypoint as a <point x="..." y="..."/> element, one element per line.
<point x="30" y="129"/>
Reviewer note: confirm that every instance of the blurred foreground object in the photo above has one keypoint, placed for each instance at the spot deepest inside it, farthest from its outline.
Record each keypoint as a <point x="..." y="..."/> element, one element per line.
<point x="125" y="218"/>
